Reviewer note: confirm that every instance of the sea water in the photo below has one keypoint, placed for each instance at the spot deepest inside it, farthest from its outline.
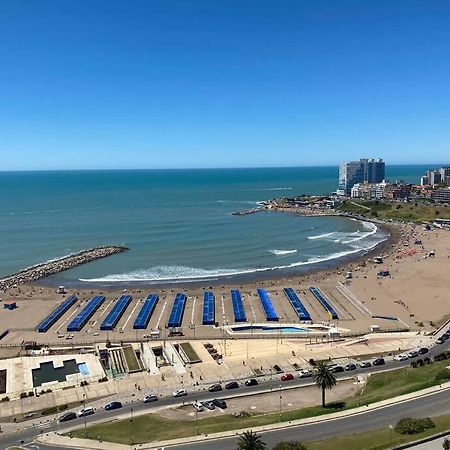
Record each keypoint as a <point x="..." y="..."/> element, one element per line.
<point x="178" y="224"/>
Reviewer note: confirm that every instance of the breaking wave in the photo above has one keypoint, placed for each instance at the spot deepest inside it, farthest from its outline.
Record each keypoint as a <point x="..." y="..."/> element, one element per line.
<point x="183" y="273"/>
<point x="282" y="252"/>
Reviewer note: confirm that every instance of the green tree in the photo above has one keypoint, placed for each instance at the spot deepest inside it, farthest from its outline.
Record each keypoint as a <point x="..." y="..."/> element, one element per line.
<point x="446" y="444"/>
<point x="289" y="445"/>
<point x="324" y="378"/>
<point x="250" y="441"/>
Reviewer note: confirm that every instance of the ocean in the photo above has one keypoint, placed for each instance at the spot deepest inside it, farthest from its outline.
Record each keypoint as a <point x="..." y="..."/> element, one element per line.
<point x="178" y="224"/>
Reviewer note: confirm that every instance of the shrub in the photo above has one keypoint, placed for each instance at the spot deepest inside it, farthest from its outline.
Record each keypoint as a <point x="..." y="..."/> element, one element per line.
<point x="5" y="399"/>
<point x="242" y="414"/>
<point x="408" y="425"/>
<point x="289" y="445"/>
<point x="413" y="365"/>
<point x="443" y="376"/>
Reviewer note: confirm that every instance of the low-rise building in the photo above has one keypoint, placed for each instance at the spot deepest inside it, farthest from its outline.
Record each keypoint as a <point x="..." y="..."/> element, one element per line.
<point x="441" y="195"/>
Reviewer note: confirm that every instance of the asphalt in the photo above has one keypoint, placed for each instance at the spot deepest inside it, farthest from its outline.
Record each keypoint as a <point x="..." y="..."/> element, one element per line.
<point x="32" y="429"/>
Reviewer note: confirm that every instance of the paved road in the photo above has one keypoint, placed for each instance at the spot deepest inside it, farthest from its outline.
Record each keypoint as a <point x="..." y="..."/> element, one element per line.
<point x="33" y="429"/>
<point x="432" y="405"/>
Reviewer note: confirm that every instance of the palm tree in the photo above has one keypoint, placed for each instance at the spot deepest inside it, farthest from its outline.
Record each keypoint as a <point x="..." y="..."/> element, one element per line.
<point x="324" y="378"/>
<point x="250" y="441"/>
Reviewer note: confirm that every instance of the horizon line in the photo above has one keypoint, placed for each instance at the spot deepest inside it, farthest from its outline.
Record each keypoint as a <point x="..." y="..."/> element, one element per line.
<point x="336" y="165"/>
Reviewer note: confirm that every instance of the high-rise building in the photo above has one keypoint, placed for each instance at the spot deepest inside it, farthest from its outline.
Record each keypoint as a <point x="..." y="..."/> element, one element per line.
<point x="362" y="171"/>
<point x="437" y="176"/>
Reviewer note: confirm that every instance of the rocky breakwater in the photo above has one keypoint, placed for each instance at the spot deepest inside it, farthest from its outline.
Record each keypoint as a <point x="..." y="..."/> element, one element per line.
<point x="48" y="268"/>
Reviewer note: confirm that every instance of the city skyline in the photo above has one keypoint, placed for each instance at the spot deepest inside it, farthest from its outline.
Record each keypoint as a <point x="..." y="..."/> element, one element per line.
<point x="190" y="85"/>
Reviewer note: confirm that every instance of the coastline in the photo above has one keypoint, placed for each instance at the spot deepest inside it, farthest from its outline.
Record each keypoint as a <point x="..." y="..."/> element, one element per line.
<point x="390" y="232"/>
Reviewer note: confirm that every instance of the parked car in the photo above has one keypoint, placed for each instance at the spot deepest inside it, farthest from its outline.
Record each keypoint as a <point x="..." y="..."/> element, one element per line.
<point x="113" y="405"/>
<point x="337" y="369"/>
<point x="365" y="364"/>
<point x="305" y="373"/>
<point x="350" y="366"/>
<point x="222" y="404"/>
<point x="413" y="354"/>
<point x="198" y="406"/>
<point x="209" y="405"/>
<point x="423" y="350"/>
<point x="86" y="411"/>
<point x="401" y="357"/>
<point x="150" y="398"/>
<point x="68" y="416"/>
<point x="251" y="382"/>
<point x="379" y="362"/>
<point x="445" y="336"/>
<point x="232" y="385"/>
<point x="440" y="340"/>
<point x="287" y="377"/>
<point x="215" y="387"/>
<point x="180" y="393"/>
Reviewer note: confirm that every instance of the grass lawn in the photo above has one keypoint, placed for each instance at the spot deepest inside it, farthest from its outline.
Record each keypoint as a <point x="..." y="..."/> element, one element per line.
<point x="379" y="439"/>
<point x="130" y="358"/>
<point x="190" y="352"/>
<point x="413" y="212"/>
<point x="151" y="427"/>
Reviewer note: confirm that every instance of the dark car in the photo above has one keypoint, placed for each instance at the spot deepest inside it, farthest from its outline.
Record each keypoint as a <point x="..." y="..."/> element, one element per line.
<point x="68" y="416"/>
<point x="423" y="350"/>
<point x="350" y="366"/>
<point x="113" y="405"/>
<point x="337" y="369"/>
<point x="215" y="387"/>
<point x="379" y="362"/>
<point x="232" y="385"/>
<point x="222" y="404"/>
<point x="251" y="382"/>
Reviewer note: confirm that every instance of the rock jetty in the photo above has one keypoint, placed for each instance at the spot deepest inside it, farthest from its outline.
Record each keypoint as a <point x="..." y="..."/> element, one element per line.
<point x="247" y="211"/>
<point x="48" y="268"/>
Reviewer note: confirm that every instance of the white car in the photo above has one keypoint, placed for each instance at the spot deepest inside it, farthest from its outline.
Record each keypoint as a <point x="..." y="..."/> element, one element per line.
<point x="305" y="373"/>
<point x="364" y="364"/>
<point x="401" y="357"/>
<point x="179" y="393"/>
<point x="198" y="406"/>
<point x="87" y="411"/>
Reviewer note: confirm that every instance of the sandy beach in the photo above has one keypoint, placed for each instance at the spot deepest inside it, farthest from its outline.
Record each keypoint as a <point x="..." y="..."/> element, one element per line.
<point x="415" y="293"/>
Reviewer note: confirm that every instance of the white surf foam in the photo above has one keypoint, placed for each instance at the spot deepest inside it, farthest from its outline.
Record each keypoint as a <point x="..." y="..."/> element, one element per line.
<point x="321" y="236"/>
<point x="180" y="273"/>
<point x="282" y="252"/>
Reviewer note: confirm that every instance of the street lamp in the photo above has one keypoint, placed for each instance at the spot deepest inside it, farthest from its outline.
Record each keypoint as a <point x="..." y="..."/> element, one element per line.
<point x="84" y="414"/>
<point x="280" y="402"/>
<point x="196" y="415"/>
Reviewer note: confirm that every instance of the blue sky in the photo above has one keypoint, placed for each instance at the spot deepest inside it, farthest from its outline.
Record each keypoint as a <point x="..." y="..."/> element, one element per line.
<point x="151" y="84"/>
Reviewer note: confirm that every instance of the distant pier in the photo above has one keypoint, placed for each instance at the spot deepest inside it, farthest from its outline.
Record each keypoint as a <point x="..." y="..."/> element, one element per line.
<point x="48" y="268"/>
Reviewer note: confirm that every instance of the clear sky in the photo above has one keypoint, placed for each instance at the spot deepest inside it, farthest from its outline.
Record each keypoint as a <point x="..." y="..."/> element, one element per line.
<point x="222" y="83"/>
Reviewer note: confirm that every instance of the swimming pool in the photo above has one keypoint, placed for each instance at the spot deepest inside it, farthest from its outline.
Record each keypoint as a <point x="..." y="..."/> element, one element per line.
<point x="83" y="369"/>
